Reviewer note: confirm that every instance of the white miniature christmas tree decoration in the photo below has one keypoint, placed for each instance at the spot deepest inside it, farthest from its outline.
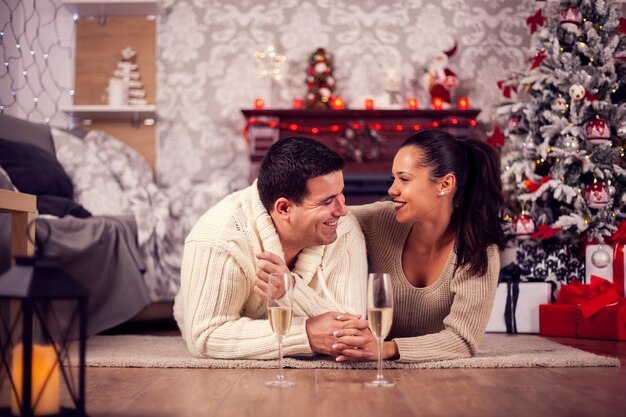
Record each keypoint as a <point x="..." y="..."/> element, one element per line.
<point x="126" y="87"/>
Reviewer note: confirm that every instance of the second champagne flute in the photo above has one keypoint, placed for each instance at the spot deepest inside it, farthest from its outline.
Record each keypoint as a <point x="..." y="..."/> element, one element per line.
<point x="279" y="313"/>
<point x="380" y="317"/>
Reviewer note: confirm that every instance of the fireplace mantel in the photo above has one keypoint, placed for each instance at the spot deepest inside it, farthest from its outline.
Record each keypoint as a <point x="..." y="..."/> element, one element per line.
<point x="378" y="132"/>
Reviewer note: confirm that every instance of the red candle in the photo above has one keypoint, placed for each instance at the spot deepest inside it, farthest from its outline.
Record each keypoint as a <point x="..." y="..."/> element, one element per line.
<point x="437" y="103"/>
<point x="259" y="103"/>
<point x="297" y="103"/>
<point x="369" y="104"/>
<point x="337" y="103"/>
<point x="463" y="103"/>
<point x="413" y="103"/>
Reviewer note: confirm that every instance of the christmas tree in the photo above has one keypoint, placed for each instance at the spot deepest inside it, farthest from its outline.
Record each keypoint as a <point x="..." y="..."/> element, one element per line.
<point x="563" y="163"/>
<point x="127" y="71"/>
<point x="320" y="80"/>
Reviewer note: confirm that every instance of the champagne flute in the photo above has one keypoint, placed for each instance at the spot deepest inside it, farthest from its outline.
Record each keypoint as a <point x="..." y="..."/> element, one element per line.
<point x="279" y="312"/>
<point x="380" y="317"/>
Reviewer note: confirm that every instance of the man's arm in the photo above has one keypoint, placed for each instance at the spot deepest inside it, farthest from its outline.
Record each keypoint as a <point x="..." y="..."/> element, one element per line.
<point x="209" y="309"/>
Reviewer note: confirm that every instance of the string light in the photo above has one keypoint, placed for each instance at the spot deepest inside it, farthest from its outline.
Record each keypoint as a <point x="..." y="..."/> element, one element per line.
<point x="33" y="82"/>
<point x="398" y="127"/>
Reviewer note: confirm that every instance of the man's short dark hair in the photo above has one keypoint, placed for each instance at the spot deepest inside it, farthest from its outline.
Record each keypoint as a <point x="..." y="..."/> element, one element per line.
<point x="289" y="164"/>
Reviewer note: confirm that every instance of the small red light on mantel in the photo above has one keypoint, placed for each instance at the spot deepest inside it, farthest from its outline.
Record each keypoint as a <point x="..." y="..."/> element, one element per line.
<point x="369" y="104"/>
<point x="337" y="103"/>
<point x="293" y="127"/>
<point x="297" y="103"/>
<point x="437" y="103"/>
<point x="314" y="130"/>
<point x="334" y="128"/>
<point x="259" y="104"/>
<point x="463" y="103"/>
<point x="413" y="105"/>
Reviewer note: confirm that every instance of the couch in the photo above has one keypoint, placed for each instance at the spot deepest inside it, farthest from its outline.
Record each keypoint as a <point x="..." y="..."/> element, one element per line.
<point x="113" y="228"/>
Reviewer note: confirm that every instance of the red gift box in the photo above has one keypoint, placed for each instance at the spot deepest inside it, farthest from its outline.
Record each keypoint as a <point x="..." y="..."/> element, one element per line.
<point x="592" y="311"/>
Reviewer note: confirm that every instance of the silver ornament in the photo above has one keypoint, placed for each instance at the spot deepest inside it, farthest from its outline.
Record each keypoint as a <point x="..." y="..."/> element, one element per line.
<point x="600" y="258"/>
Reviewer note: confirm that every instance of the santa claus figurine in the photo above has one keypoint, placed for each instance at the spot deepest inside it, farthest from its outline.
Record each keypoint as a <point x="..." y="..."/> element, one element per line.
<point x="440" y="80"/>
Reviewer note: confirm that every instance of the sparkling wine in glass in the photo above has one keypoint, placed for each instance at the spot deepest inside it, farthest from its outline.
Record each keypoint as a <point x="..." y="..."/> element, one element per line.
<point x="279" y="312"/>
<point x="380" y="317"/>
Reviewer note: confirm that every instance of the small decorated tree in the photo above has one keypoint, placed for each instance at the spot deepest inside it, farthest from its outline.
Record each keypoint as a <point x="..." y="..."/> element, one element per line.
<point x="128" y="71"/>
<point x="320" y="80"/>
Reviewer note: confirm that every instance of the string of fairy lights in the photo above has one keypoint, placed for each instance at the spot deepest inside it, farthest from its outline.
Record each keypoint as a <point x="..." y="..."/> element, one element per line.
<point x="36" y="39"/>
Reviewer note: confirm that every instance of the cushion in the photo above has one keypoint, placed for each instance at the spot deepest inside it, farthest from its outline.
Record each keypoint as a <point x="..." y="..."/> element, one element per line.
<point x="5" y="181"/>
<point x="33" y="170"/>
<point x="60" y="207"/>
<point x="95" y="187"/>
<point x="23" y="131"/>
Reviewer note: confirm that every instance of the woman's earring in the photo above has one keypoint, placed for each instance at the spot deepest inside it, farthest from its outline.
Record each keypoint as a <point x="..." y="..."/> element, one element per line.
<point x="441" y="193"/>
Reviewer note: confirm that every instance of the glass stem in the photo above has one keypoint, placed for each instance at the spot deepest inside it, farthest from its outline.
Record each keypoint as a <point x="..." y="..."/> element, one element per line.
<point x="280" y="359"/>
<point x="380" y="359"/>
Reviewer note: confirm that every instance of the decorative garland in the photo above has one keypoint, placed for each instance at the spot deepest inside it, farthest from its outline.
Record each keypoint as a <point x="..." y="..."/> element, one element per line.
<point x="340" y="127"/>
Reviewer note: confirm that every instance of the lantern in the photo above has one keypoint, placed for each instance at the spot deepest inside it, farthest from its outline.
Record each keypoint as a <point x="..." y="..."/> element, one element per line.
<point x="369" y="104"/>
<point x="43" y="325"/>
<point x="413" y="103"/>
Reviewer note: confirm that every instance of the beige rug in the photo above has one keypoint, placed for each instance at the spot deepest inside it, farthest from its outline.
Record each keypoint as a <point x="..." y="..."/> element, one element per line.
<point x="496" y="351"/>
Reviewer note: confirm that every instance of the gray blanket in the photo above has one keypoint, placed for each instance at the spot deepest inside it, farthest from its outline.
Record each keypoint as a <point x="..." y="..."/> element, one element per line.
<point x="101" y="253"/>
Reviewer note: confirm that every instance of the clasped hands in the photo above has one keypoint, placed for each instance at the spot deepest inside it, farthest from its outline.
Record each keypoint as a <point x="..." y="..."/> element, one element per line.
<point x="345" y="336"/>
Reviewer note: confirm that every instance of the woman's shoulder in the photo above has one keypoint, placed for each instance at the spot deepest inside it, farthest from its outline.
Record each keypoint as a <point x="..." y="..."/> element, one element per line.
<point x="373" y="212"/>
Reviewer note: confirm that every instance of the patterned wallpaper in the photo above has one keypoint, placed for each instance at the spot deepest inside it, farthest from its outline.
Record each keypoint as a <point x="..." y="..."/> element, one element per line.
<point x="207" y="71"/>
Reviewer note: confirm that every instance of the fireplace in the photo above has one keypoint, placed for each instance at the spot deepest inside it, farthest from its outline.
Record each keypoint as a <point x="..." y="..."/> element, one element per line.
<point x="367" y="139"/>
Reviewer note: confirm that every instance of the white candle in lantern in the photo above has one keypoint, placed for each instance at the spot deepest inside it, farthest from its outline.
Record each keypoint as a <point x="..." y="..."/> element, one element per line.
<point x="45" y="387"/>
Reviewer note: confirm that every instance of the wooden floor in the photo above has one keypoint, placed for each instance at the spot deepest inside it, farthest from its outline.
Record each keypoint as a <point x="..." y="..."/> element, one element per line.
<point x="567" y="392"/>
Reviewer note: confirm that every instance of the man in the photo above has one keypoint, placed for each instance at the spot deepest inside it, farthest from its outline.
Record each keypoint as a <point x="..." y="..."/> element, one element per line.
<point x="293" y="218"/>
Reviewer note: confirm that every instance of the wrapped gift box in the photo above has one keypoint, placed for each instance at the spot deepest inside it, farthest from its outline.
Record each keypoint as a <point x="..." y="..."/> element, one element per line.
<point x="522" y="314"/>
<point x="592" y="311"/>
<point x="614" y="271"/>
<point x="566" y="320"/>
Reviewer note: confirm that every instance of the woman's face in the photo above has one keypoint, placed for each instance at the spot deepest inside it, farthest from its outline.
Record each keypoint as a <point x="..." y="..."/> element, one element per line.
<point x="415" y="195"/>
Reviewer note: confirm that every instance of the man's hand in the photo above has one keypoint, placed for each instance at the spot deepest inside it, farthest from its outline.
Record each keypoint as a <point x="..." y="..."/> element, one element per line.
<point x="321" y="331"/>
<point x="267" y="263"/>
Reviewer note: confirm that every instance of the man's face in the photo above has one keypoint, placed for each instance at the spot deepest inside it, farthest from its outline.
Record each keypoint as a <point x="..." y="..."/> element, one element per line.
<point x="315" y="221"/>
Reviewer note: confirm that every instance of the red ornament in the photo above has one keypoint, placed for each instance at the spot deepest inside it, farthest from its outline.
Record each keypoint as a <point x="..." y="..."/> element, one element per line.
<point x="598" y="131"/>
<point x="570" y="18"/>
<point x="596" y="195"/>
<point x="523" y="226"/>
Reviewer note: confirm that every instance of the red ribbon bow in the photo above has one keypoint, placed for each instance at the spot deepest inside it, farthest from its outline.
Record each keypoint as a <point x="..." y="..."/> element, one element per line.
<point x="538" y="59"/>
<point x="533" y="186"/>
<point x="590" y="298"/>
<point x="534" y="21"/>
<point x="496" y="139"/>
<point x="507" y="89"/>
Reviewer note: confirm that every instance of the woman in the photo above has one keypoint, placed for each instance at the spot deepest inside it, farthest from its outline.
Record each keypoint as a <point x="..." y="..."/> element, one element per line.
<point x="439" y="240"/>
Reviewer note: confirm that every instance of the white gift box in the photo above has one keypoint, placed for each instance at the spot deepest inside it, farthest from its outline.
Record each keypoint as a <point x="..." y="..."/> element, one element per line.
<point x="526" y="314"/>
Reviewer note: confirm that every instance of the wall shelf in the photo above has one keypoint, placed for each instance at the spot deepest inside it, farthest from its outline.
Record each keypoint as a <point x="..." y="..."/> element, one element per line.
<point x="81" y="113"/>
<point x="112" y="7"/>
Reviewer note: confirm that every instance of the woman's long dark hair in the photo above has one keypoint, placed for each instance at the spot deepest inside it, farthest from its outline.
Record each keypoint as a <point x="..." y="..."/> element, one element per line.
<point x="478" y="197"/>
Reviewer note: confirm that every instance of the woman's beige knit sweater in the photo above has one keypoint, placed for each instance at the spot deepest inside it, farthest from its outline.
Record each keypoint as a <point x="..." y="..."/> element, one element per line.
<point x="445" y="320"/>
<point x="216" y="309"/>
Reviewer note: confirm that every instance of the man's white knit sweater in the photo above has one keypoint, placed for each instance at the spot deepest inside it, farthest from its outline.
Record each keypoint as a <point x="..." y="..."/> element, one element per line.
<point x="217" y="311"/>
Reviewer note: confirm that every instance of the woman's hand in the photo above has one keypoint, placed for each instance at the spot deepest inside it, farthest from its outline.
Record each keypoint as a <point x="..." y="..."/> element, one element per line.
<point x="350" y="347"/>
